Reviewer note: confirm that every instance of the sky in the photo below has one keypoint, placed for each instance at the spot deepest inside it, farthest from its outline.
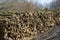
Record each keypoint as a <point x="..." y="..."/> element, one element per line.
<point x="44" y="3"/>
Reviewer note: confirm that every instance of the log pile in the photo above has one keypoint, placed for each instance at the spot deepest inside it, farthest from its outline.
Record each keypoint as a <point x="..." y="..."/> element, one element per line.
<point x="27" y="25"/>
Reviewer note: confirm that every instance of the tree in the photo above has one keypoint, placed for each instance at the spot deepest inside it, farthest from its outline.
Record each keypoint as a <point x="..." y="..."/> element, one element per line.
<point x="55" y="4"/>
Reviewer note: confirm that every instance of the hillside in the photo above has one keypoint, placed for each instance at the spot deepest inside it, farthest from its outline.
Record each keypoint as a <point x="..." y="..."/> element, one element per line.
<point x="18" y="6"/>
